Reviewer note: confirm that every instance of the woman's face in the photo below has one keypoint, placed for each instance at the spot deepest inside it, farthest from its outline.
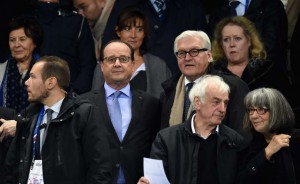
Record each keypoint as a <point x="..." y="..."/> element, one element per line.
<point x="21" y="46"/>
<point x="259" y="118"/>
<point x="235" y="44"/>
<point x="133" y="34"/>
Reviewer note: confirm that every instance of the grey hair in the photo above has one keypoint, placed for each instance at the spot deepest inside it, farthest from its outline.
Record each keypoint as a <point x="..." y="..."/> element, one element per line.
<point x="200" y="88"/>
<point x="192" y="33"/>
<point x="282" y="117"/>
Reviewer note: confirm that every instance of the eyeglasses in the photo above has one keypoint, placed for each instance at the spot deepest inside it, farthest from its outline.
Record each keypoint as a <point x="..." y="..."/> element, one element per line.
<point x="194" y="52"/>
<point x="260" y="110"/>
<point x="122" y="59"/>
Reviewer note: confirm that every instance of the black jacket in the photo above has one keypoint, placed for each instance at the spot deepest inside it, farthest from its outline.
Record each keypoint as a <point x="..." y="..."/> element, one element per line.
<point x="284" y="166"/>
<point x="7" y="114"/>
<point x="261" y="73"/>
<point x="178" y="148"/>
<point x="235" y="110"/>
<point x="75" y="149"/>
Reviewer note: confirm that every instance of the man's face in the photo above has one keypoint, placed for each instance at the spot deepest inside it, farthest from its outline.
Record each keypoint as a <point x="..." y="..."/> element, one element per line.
<point x="213" y="110"/>
<point x="193" y="67"/>
<point x="36" y="87"/>
<point x="90" y="9"/>
<point x="116" y="73"/>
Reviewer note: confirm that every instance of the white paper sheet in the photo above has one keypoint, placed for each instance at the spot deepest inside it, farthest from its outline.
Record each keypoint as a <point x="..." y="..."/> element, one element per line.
<point x="154" y="171"/>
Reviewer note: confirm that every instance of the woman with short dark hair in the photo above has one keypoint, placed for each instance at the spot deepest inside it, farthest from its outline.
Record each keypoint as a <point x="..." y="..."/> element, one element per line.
<point x="25" y="38"/>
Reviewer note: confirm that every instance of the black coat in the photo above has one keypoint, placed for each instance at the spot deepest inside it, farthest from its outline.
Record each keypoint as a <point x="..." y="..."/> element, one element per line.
<point x="68" y="36"/>
<point x="75" y="149"/>
<point x="235" y="109"/>
<point x="284" y="166"/>
<point x="7" y="114"/>
<point x="262" y="73"/>
<point x="137" y="141"/>
<point x="178" y="148"/>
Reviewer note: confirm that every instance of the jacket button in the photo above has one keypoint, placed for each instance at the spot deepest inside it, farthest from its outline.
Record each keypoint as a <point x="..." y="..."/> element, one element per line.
<point x="21" y="161"/>
<point x="253" y="169"/>
<point x="121" y="148"/>
<point x="117" y="165"/>
<point x="22" y="138"/>
<point x="156" y="26"/>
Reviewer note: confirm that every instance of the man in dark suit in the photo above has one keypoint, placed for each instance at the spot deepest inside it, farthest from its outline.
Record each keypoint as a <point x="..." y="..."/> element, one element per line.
<point x="131" y="135"/>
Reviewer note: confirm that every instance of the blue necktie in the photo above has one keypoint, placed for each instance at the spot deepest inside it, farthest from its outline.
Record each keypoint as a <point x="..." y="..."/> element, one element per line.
<point x="116" y="116"/>
<point x="161" y="7"/>
<point x="187" y="101"/>
<point x="232" y="7"/>
<point x="116" y="119"/>
<point x="44" y="127"/>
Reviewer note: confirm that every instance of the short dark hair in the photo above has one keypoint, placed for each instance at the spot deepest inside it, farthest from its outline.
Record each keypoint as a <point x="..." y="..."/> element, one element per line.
<point x="120" y="41"/>
<point x="31" y="26"/>
<point x="56" y="67"/>
<point x="282" y="117"/>
<point x="129" y="16"/>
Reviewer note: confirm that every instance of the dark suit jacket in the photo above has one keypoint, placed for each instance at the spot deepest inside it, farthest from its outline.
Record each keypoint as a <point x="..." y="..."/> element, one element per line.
<point x="7" y="114"/>
<point x="137" y="141"/>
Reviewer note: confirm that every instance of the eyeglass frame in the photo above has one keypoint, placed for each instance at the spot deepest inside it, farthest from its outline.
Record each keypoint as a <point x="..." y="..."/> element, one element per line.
<point x="185" y="52"/>
<point x="115" y="59"/>
<point x="259" y="110"/>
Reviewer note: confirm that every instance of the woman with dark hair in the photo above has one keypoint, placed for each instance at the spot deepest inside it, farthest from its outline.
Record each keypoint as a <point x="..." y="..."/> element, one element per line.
<point x="149" y="70"/>
<point x="25" y="37"/>
<point x="273" y="154"/>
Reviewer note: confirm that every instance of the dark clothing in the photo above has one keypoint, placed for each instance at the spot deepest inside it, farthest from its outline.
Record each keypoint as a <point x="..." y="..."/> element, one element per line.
<point x="207" y="172"/>
<point x="180" y="15"/>
<point x="235" y="110"/>
<point x="68" y="36"/>
<point x="7" y="114"/>
<point x="13" y="92"/>
<point x="261" y="73"/>
<point x="75" y="149"/>
<point x="137" y="141"/>
<point x="178" y="148"/>
<point x="270" y="21"/>
<point x="283" y="167"/>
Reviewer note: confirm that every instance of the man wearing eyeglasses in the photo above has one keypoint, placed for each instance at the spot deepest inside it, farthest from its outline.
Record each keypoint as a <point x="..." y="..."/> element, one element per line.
<point x="131" y="117"/>
<point x="194" y="57"/>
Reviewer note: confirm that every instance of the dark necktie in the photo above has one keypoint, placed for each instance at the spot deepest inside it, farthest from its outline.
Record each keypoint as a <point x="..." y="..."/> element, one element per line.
<point x="187" y="101"/>
<point x="161" y="7"/>
<point x="116" y="116"/>
<point x="43" y="129"/>
<point x="232" y="7"/>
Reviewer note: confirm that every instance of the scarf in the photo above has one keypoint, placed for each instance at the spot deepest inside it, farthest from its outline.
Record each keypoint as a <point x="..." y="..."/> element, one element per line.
<point x="176" y="116"/>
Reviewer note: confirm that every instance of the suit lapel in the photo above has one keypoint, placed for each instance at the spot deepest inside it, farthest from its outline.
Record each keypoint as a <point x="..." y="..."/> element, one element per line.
<point x="136" y="106"/>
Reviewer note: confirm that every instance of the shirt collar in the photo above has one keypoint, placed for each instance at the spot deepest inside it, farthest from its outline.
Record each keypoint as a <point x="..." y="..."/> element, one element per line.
<point x="194" y="131"/>
<point x="109" y="90"/>
<point x="186" y="81"/>
<point x="56" y="107"/>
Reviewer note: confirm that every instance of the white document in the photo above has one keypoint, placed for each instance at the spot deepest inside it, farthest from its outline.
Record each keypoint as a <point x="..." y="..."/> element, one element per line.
<point x="154" y="171"/>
